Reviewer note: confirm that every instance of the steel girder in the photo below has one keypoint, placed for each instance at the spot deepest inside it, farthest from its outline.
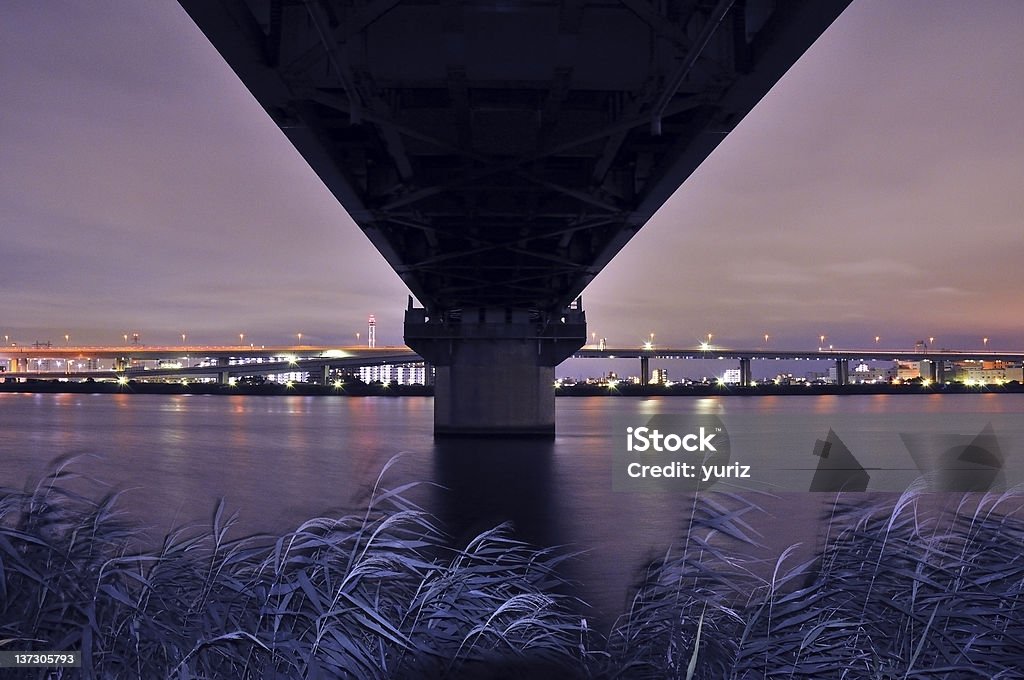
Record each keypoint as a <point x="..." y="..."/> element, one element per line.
<point x="499" y="153"/>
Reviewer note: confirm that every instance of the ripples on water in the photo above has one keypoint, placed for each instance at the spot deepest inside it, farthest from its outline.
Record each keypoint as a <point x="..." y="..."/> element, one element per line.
<point x="281" y="460"/>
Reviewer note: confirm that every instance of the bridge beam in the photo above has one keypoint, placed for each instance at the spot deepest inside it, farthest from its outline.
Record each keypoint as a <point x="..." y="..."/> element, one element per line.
<point x="494" y="368"/>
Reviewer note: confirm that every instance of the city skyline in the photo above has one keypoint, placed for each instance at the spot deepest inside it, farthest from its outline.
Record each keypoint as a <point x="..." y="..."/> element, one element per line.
<point x="146" y="191"/>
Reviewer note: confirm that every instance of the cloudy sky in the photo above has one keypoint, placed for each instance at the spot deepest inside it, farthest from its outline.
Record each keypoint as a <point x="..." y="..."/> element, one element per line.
<point x="877" y="190"/>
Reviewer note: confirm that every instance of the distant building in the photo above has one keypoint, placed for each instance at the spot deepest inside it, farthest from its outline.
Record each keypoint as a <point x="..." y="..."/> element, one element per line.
<point x="396" y="374"/>
<point x="865" y="373"/>
<point x="290" y="377"/>
<point x="986" y="372"/>
<point x="731" y="376"/>
<point x="659" y="376"/>
<point x="908" y="370"/>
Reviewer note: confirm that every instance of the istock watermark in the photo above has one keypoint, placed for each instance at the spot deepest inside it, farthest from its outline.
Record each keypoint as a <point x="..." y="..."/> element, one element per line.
<point x="830" y="452"/>
<point x="674" y="453"/>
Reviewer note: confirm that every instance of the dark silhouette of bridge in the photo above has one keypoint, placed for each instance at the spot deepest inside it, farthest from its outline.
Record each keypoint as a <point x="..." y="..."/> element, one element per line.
<point x="499" y="153"/>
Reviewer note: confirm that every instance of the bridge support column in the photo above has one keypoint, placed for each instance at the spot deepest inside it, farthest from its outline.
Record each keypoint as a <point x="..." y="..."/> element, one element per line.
<point x="15" y="366"/>
<point x="746" y="377"/>
<point x="494" y="368"/>
<point x="842" y="372"/>
<point x="645" y="370"/>
<point x="223" y="376"/>
<point x="121" y="364"/>
<point x="940" y="372"/>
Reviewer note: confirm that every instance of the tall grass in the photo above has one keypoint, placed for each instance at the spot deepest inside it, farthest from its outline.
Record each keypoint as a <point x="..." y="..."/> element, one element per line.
<point x="899" y="590"/>
<point x="373" y="595"/>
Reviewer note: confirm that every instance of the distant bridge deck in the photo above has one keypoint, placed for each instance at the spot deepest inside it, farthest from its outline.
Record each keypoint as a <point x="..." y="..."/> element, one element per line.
<point x="165" y="352"/>
<point x="874" y="354"/>
<point x="309" y="358"/>
<point x="304" y="358"/>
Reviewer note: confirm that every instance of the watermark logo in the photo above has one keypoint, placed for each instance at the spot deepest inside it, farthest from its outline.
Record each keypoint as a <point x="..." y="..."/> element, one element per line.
<point x="643" y="438"/>
<point x="674" y="453"/>
<point x="946" y="462"/>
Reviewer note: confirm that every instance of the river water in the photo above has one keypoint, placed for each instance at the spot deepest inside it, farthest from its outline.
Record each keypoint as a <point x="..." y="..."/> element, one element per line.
<point x="278" y="461"/>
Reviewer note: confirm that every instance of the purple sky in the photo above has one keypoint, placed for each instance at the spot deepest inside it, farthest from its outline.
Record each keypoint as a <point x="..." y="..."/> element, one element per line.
<point x="877" y="190"/>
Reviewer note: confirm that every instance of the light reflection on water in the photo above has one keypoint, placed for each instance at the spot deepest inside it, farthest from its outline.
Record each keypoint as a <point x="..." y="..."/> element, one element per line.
<point x="281" y="460"/>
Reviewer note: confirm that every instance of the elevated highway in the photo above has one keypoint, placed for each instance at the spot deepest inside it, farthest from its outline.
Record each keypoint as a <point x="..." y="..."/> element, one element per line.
<point x="227" y="361"/>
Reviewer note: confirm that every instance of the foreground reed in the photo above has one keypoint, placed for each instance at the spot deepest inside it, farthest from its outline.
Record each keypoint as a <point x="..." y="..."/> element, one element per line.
<point x="374" y="595"/>
<point x="899" y="590"/>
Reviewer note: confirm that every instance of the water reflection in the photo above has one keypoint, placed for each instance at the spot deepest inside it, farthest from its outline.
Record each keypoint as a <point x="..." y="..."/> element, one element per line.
<point x="281" y="460"/>
<point x="483" y="482"/>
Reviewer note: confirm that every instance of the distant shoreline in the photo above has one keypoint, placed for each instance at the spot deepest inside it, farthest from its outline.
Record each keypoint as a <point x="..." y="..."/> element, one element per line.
<point x="585" y="390"/>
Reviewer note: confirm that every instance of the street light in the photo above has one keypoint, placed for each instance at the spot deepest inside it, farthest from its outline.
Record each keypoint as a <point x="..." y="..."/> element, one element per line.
<point x="67" y="339"/>
<point x="877" y="338"/>
<point x="182" y="339"/>
<point x="985" y="342"/>
<point x="821" y="342"/>
<point x="766" y="338"/>
<point x="125" y="335"/>
<point x="300" y="337"/>
<point x="241" y="338"/>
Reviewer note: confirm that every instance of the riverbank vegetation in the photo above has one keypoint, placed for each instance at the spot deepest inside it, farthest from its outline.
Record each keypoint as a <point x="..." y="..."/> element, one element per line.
<point x="898" y="589"/>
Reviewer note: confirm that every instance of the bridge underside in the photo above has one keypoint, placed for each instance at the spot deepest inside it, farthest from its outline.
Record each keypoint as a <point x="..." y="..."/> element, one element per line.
<point x="499" y="153"/>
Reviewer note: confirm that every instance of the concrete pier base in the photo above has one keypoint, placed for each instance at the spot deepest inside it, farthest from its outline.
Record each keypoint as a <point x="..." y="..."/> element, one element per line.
<point x="494" y="368"/>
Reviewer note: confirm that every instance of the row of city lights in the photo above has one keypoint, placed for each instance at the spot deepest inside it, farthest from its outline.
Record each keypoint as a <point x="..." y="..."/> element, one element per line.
<point x="184" y="338"/>
<point x="706" y="344"/>
<point x="648" y="344"/>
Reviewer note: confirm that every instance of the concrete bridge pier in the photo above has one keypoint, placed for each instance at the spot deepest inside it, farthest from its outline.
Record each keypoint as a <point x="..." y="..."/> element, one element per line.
<point x="746" y="377"/>
<point x="121" y="364"/>
<point x="645" y="370"/>
<point x="494" y="367"/>
<point x="842" y="372"/>
<point x="16" y="365"/>
<point x="224" y="375"/>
